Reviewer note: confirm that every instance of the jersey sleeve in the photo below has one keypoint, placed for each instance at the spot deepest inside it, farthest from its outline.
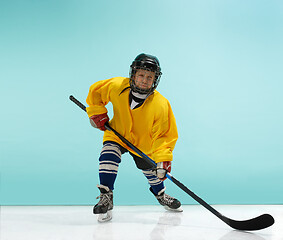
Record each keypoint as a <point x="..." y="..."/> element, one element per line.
<point x="165" y="135"/>
<point x="98" y="97"/>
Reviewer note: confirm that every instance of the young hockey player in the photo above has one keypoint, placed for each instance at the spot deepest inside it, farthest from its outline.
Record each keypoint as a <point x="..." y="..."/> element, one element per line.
<point x="145" y="118"/>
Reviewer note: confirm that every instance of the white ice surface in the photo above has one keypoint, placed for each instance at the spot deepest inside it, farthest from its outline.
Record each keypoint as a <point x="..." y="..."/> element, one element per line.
<point x="134" y="223"/>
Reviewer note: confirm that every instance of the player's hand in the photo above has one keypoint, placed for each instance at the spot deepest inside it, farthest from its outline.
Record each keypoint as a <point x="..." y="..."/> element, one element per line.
<point x="162" y="168"/>
<point x="98" y="121"/>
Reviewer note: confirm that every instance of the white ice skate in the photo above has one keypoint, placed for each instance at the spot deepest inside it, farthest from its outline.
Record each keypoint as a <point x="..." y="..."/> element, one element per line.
<point x="179" y="209"/>
<point x="104" y="217"/>
<point x="104" y="207"/>
<point x="169" y="203"/>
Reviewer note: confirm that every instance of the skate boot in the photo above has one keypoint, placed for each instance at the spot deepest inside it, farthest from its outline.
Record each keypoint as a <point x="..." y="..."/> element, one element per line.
<point x="169" y="203"/>
<point x="105" y="205"/>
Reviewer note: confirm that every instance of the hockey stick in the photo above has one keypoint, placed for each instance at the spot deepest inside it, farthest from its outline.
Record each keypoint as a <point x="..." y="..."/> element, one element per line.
<point x="258" y="223"/>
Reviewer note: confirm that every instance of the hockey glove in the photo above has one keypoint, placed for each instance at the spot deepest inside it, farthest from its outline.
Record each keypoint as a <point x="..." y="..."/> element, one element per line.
<point x="162" y="168"/>
<point x="98" y="121"/>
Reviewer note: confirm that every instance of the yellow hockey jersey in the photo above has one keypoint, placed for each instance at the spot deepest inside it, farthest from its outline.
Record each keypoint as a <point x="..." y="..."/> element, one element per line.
<point x="150" y="127"/>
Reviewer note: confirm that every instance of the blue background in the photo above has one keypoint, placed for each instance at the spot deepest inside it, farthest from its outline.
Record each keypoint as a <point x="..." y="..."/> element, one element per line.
<point x="222" y="73"/>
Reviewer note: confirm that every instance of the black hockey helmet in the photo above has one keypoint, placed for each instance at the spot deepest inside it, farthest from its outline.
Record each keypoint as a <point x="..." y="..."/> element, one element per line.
<point x="149" y="63"/>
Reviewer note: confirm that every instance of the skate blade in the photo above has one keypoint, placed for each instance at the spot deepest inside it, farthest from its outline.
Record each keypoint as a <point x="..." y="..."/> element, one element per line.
<point x="104" y="217"/>
<point x="173" y="210"/>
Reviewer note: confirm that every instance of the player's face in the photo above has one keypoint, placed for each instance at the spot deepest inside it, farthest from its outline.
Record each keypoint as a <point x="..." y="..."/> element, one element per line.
<point x="144" y="79"/>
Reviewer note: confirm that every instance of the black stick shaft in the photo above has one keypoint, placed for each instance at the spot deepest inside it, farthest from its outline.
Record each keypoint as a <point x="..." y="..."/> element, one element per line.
<point x="72" y="98"/>
<point x="257" y="223"/>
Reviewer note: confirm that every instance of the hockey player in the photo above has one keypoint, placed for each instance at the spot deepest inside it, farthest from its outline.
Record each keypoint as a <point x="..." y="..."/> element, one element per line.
<point x="145" y="118"/>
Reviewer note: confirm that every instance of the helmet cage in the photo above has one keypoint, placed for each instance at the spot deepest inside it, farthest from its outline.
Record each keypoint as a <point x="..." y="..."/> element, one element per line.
<point x="148" y="66"/>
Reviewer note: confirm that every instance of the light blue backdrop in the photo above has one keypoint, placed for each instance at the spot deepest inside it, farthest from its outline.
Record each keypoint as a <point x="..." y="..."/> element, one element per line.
<point x="222" y="72"/>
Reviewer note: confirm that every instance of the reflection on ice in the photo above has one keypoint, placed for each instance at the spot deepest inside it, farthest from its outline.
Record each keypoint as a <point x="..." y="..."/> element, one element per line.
<point x="131" y="222"/>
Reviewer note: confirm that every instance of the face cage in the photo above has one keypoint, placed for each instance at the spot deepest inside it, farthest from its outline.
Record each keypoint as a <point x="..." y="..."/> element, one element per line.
<point x="144" y="91"/>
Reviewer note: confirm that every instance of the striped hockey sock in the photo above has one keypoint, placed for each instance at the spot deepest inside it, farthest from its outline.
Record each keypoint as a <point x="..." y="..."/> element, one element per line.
<point x="156" y="184"/>
<point x="109" y="160"/>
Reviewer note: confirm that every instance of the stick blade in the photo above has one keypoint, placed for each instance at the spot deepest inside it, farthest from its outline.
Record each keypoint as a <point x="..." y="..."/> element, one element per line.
<point x="258" y="223"/>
